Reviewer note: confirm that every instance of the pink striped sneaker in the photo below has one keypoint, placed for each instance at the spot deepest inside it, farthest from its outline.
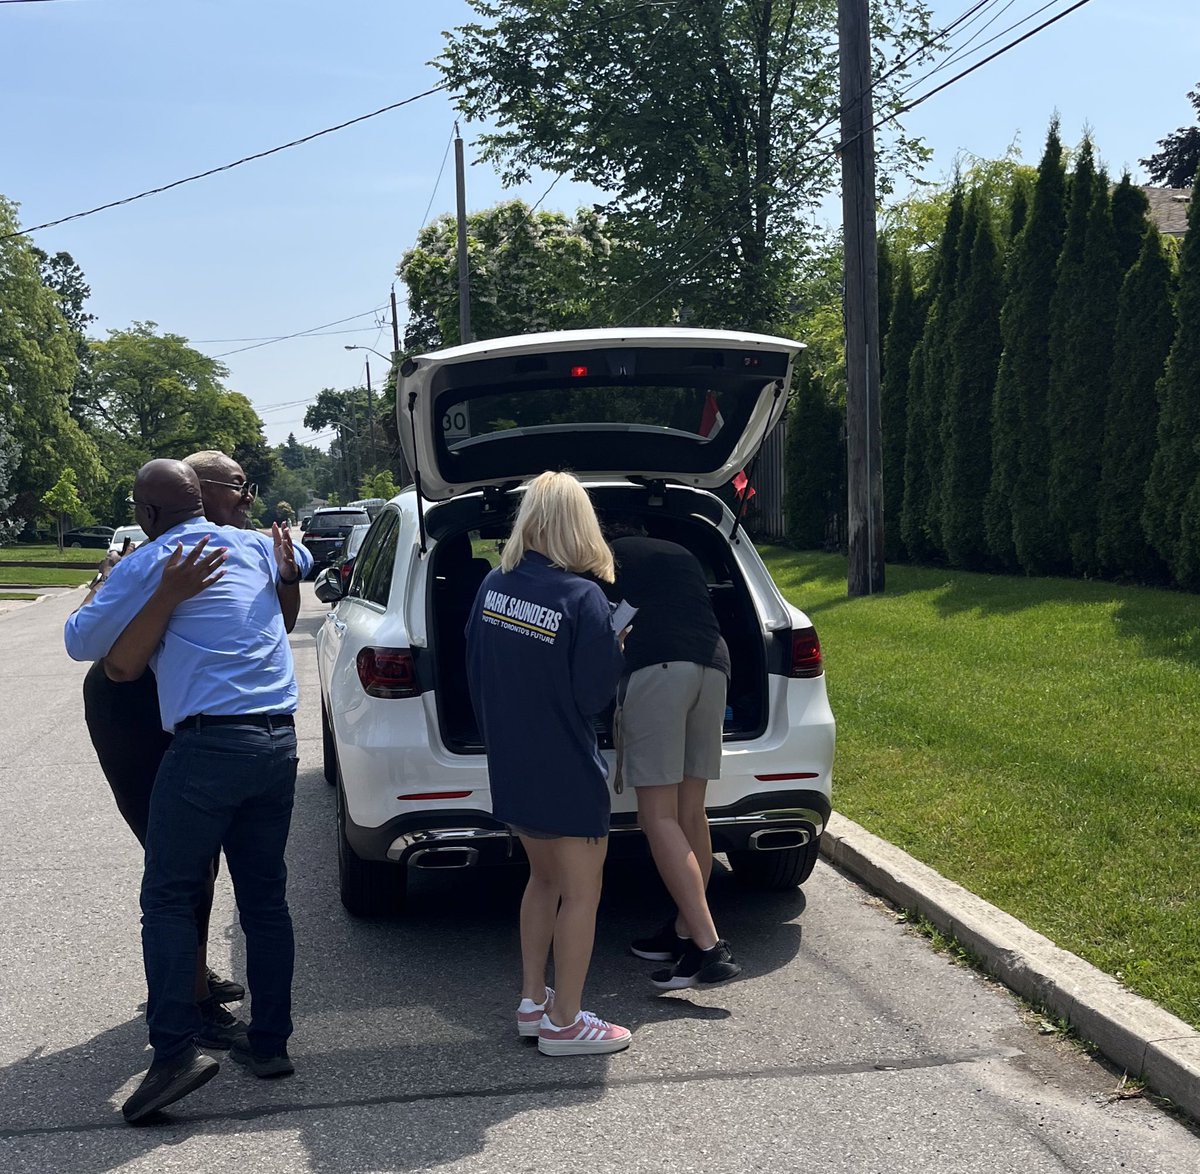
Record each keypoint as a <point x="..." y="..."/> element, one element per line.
<point x="589" y="1034"/>
<point x="529" y="1014"/>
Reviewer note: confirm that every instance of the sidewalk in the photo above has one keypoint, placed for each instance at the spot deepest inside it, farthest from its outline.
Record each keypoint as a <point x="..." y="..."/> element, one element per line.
<point x="1135" y="1034"/>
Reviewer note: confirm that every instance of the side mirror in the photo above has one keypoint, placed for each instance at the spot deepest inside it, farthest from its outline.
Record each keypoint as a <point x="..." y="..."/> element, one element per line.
<point x="328" y="586"/>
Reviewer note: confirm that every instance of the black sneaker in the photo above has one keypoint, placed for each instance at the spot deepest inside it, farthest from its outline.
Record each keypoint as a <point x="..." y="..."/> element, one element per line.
<point x="224" y="990"/>
<point x="219" y="1028"/>
<point x="664" y="945"/>
<point x="698" y="968"/>
<point x="264" y="1067"/>
<point x="168" y="1081"/>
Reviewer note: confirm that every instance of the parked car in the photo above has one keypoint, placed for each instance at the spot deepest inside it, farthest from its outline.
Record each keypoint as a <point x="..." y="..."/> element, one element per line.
<point x="97" y="536"/>
<point x="341" y="565"/>
<point x="653" y="421"/>
<point x="135" y="534"/>
<point x="327" y="528"/>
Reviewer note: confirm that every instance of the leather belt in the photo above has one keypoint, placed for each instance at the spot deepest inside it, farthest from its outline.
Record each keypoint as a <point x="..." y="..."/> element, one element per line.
<point x="266" y="720"/>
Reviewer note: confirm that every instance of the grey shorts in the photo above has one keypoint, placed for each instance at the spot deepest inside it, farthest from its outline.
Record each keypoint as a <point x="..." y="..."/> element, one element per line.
<point x="669" y="724"/>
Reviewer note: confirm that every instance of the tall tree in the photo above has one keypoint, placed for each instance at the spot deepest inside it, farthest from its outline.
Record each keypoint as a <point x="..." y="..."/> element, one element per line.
<point x="697" y="119"/>
<point x="974" y="356"/>
<point x="1024" y="376"/>
<point x="37" y="368"/>
<point x="1129" y="211"/>
<point x="920" y="517"/>
<point x="1083" y="314"/>
<point x="814" y="463"/>
<point x="903" y="336"/>
<point x="1142" y="338"/>
<point x="530" y="271"/>
<point x="10" y="453"/>
<point x="1170" y="516"/>
<point x="1177" y="162"/>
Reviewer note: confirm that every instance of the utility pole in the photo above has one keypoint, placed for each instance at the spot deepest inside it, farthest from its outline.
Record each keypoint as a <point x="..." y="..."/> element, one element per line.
<point x="464" y="276"/>
<point x="370" y="412"/>
<point x="864" y="436"/>
<point x="395" y="329"/>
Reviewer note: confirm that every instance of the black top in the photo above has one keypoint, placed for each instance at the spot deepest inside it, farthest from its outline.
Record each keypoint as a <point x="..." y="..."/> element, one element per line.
<point x="542" y="659"/>
<point x="675" y="619"/>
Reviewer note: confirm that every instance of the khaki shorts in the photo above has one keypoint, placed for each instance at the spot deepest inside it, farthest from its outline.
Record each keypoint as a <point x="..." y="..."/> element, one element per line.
<point x="669" y="724"/>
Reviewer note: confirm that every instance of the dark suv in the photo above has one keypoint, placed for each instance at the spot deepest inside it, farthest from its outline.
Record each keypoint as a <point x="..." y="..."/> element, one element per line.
<point x="326" y="529"/>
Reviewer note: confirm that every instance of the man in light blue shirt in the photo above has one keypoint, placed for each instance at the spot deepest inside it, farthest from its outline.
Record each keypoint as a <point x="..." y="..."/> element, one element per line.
<point x="211" y="626"/>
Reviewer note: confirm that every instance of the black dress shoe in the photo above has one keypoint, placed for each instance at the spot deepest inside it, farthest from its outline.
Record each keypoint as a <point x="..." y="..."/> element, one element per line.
<point x="224" y="990"/>
<point x="169" y="1081"/>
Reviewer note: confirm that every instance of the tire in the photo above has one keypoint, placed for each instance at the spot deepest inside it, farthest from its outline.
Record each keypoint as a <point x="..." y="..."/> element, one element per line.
<point x="76" y="545"/>
<point x="368" y="888"/>
<point x="328" y="748"/>
<point x="775" y="872"/>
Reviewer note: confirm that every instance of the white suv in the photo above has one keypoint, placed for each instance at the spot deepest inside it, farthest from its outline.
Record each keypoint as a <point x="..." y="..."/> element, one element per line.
<point x="652" y="421"/>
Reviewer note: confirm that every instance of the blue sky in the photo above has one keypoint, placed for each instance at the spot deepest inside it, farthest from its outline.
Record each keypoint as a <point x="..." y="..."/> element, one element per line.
<point x="106" y="98"/>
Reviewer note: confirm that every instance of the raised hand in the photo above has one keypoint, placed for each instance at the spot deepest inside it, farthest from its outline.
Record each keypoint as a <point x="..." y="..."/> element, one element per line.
<point x="285" y="554"/>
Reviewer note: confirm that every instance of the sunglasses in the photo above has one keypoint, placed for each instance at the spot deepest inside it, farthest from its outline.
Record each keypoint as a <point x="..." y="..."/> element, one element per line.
<point x="245" y="488"/>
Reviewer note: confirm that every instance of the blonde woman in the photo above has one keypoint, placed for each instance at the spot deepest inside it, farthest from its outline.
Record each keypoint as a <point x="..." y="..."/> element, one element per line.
<point x="542" y="660"/>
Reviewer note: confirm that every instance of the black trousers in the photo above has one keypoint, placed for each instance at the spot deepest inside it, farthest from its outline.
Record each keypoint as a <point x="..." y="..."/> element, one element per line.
<point x="124" y="724"/>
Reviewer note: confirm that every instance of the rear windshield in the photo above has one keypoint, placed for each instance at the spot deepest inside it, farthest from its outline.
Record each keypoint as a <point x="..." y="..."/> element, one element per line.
<point x="337" y="521"/>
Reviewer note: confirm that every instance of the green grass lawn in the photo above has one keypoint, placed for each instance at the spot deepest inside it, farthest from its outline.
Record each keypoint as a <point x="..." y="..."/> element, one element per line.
<point x="44" y="576"/>
<point x="85" y="556"/>
<point x="1036" y="740"/>
<point x="17" y="595"/>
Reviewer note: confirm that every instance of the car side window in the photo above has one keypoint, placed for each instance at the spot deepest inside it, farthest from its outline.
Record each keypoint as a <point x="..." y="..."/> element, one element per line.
<point x="378" y="549"/>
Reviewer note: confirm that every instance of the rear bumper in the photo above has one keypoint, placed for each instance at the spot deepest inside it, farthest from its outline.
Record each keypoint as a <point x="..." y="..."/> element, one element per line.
<point x="766" y="822"/>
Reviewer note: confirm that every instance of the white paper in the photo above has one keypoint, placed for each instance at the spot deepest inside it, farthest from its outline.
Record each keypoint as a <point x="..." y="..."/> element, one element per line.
<point x="623" y="615"/>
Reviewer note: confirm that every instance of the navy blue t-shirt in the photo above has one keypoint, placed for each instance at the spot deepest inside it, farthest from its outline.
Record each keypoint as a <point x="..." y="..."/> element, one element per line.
<point x="542" y="660"/>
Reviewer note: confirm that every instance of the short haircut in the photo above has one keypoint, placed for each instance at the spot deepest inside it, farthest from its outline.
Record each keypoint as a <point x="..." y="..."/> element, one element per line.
<point x="208" y="460"/>
<point x="556" y="519"/>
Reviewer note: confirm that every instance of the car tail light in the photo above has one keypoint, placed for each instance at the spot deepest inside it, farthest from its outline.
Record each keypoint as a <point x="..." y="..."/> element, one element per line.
<point x="346" y="568"/>
<point x="806" y="654"/>
<point x="388" y="672"/>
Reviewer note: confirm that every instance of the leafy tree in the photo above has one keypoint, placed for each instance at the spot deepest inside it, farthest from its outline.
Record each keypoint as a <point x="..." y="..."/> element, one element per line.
<point x="1170" y="518"/>
<point x="697" y="119"/>
<point x="10" y="453"/>
<point x="63" y="275"/>
<point x="62" y="502"/>
<point x="378" y="485"/>
<point x="293" y="454"/>
<point x="1178" y="161"/>
<point x="37" y="368"/>
<point x="907" y="320"/>
<point x="814" y="463"/>
<point x="1083" y="314"/>
<point x="974" y="355"/>
<point x="1023" y="379"/>
<point x="886" y="270"/>
<point x="530" y="271"/>
<point x="920" y="514"/>
<point x="1144" y="331"/>
<point x="284" y="511"/>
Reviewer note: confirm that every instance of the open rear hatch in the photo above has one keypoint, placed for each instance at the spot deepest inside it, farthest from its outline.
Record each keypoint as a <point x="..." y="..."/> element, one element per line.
<point x="669" y="404"/>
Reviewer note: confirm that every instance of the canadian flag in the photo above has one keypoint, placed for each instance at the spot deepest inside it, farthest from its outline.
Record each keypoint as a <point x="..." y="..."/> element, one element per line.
<point x="711" y="420"/>
<point x="742" y="486"/>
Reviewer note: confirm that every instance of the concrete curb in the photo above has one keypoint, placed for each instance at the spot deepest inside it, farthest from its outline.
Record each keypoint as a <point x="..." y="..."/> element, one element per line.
<point x="1135" y="1034"/>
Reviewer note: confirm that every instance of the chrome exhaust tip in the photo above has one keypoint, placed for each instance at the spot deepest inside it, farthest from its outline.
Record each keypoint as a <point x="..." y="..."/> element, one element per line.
<point x="778" y="839"/>
<point x="451" y="856"/>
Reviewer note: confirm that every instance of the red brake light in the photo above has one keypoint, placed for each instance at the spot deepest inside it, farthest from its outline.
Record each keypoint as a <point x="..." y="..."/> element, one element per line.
<point x="578" y="372"/>
<point x="388" y="672"/>
<point x="806" y="654"/>
<point x="344" y="572"/>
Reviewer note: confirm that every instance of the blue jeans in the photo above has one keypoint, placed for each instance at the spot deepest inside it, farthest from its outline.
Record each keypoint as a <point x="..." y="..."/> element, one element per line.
<point x="231" y="787"/>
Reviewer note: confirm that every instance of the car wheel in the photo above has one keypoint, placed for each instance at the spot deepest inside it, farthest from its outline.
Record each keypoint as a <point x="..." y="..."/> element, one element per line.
<point x="368" y="888"/>
<point x="76" y="545"/>
<point x="776" y="871"/>
<point x="328" y="748"/>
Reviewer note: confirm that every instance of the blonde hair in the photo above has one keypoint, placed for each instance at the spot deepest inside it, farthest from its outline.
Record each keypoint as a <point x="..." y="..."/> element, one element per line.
<point x="556" y="519"/>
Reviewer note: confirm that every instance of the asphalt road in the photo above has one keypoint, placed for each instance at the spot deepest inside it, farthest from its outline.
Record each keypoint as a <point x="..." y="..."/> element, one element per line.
<point x="850" y="1045"/>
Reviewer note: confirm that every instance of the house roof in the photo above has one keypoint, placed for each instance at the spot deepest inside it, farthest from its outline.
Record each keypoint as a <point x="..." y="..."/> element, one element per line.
<point x="1168" y="209"/>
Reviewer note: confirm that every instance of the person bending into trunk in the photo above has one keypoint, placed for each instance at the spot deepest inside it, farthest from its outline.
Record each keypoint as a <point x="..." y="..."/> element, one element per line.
<point x="672" y="712"/>
<point x="542" y="660"/>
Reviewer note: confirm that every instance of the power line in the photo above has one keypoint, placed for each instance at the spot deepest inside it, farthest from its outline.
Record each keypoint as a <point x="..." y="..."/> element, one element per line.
<point x="298" y="333"/>
<point x="275" y="337"/>
<point x="226" y="166"/>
